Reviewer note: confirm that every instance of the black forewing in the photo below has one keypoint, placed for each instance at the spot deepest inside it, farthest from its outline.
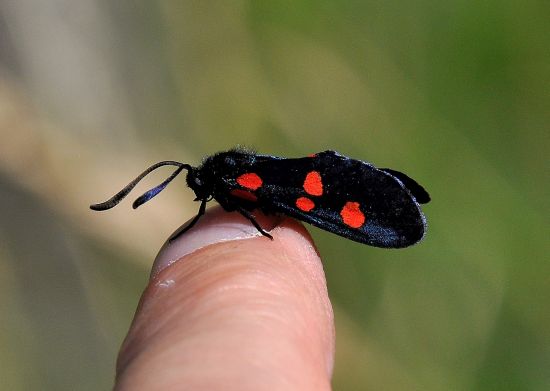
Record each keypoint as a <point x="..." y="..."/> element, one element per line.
<point x="419" y="193"/>
<point x="392" y="216"/>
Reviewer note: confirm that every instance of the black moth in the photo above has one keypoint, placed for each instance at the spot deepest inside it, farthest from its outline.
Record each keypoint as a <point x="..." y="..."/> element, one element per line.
<point x="351" y="198"/>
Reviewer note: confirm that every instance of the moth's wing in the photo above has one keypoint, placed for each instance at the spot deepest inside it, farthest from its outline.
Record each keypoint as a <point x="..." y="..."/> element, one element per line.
<point x="392" y="216"/>
<point x="419" y="193"/>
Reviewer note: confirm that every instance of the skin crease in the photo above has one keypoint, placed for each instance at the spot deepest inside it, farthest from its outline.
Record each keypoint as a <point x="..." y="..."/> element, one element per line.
<point x="247" y="314"/>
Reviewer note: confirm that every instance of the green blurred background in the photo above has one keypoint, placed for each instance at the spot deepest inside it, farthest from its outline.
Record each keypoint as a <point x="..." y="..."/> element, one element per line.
<point x="455" y="93"/>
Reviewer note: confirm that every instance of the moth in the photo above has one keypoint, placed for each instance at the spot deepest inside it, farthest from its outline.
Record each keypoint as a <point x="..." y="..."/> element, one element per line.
<point x="351" y="198"/>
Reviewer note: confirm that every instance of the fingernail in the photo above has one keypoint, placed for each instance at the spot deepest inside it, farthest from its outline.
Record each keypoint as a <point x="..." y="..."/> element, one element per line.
<point x="215" y="226"/>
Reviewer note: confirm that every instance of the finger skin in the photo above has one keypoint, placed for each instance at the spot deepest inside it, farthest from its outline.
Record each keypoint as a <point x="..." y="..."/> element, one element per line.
<point x="249" y="314"/>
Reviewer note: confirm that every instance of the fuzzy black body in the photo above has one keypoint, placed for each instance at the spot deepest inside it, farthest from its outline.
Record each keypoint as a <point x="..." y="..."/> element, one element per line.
<point x="385" y="200"/>
<point x="351" y="198"/>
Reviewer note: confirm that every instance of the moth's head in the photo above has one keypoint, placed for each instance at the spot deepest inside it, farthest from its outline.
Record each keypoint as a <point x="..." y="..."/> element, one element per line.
<point x="200" y="184"/>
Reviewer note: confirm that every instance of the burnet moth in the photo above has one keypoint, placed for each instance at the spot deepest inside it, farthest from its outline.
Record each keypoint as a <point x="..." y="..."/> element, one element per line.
<point x="351" y="198"/>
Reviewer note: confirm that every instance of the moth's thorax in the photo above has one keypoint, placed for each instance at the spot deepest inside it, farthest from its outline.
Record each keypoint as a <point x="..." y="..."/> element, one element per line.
<point x="226" y="166"/>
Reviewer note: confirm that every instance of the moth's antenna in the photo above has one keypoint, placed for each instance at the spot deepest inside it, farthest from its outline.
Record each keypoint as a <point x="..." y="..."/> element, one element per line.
<point x="114" y="200"/>
<point x="155" y="190"/>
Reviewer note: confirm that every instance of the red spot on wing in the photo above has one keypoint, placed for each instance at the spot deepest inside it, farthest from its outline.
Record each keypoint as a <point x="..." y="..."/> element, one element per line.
<point x="250" y="180"/>
<point x="313" y="184"/>
<point x="305" y="204"/>
<point x="352" y="215"/>
<point x="312" y="155"/>
<point x="244" y="194"/>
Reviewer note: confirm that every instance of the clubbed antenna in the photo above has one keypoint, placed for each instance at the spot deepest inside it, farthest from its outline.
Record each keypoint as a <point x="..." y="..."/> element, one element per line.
<point x="155" y="190"/>
<point x="114" y="200"/>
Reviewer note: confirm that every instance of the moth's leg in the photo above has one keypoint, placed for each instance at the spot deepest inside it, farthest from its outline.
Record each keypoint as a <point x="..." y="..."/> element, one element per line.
<point x="252" y="219"/>
<point x="186" y="228"/>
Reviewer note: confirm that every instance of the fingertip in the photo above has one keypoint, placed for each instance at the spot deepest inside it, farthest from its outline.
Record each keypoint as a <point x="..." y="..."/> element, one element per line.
<point x="250" y="309"/>
<point x="216" y="226"/>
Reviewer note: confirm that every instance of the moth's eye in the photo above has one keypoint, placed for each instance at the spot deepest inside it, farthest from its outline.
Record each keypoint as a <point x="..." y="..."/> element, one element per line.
<point x="198" y="182"/>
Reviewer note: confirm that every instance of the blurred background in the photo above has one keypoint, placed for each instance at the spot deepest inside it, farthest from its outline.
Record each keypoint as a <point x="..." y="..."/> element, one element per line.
<point x="454" y="93"/>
